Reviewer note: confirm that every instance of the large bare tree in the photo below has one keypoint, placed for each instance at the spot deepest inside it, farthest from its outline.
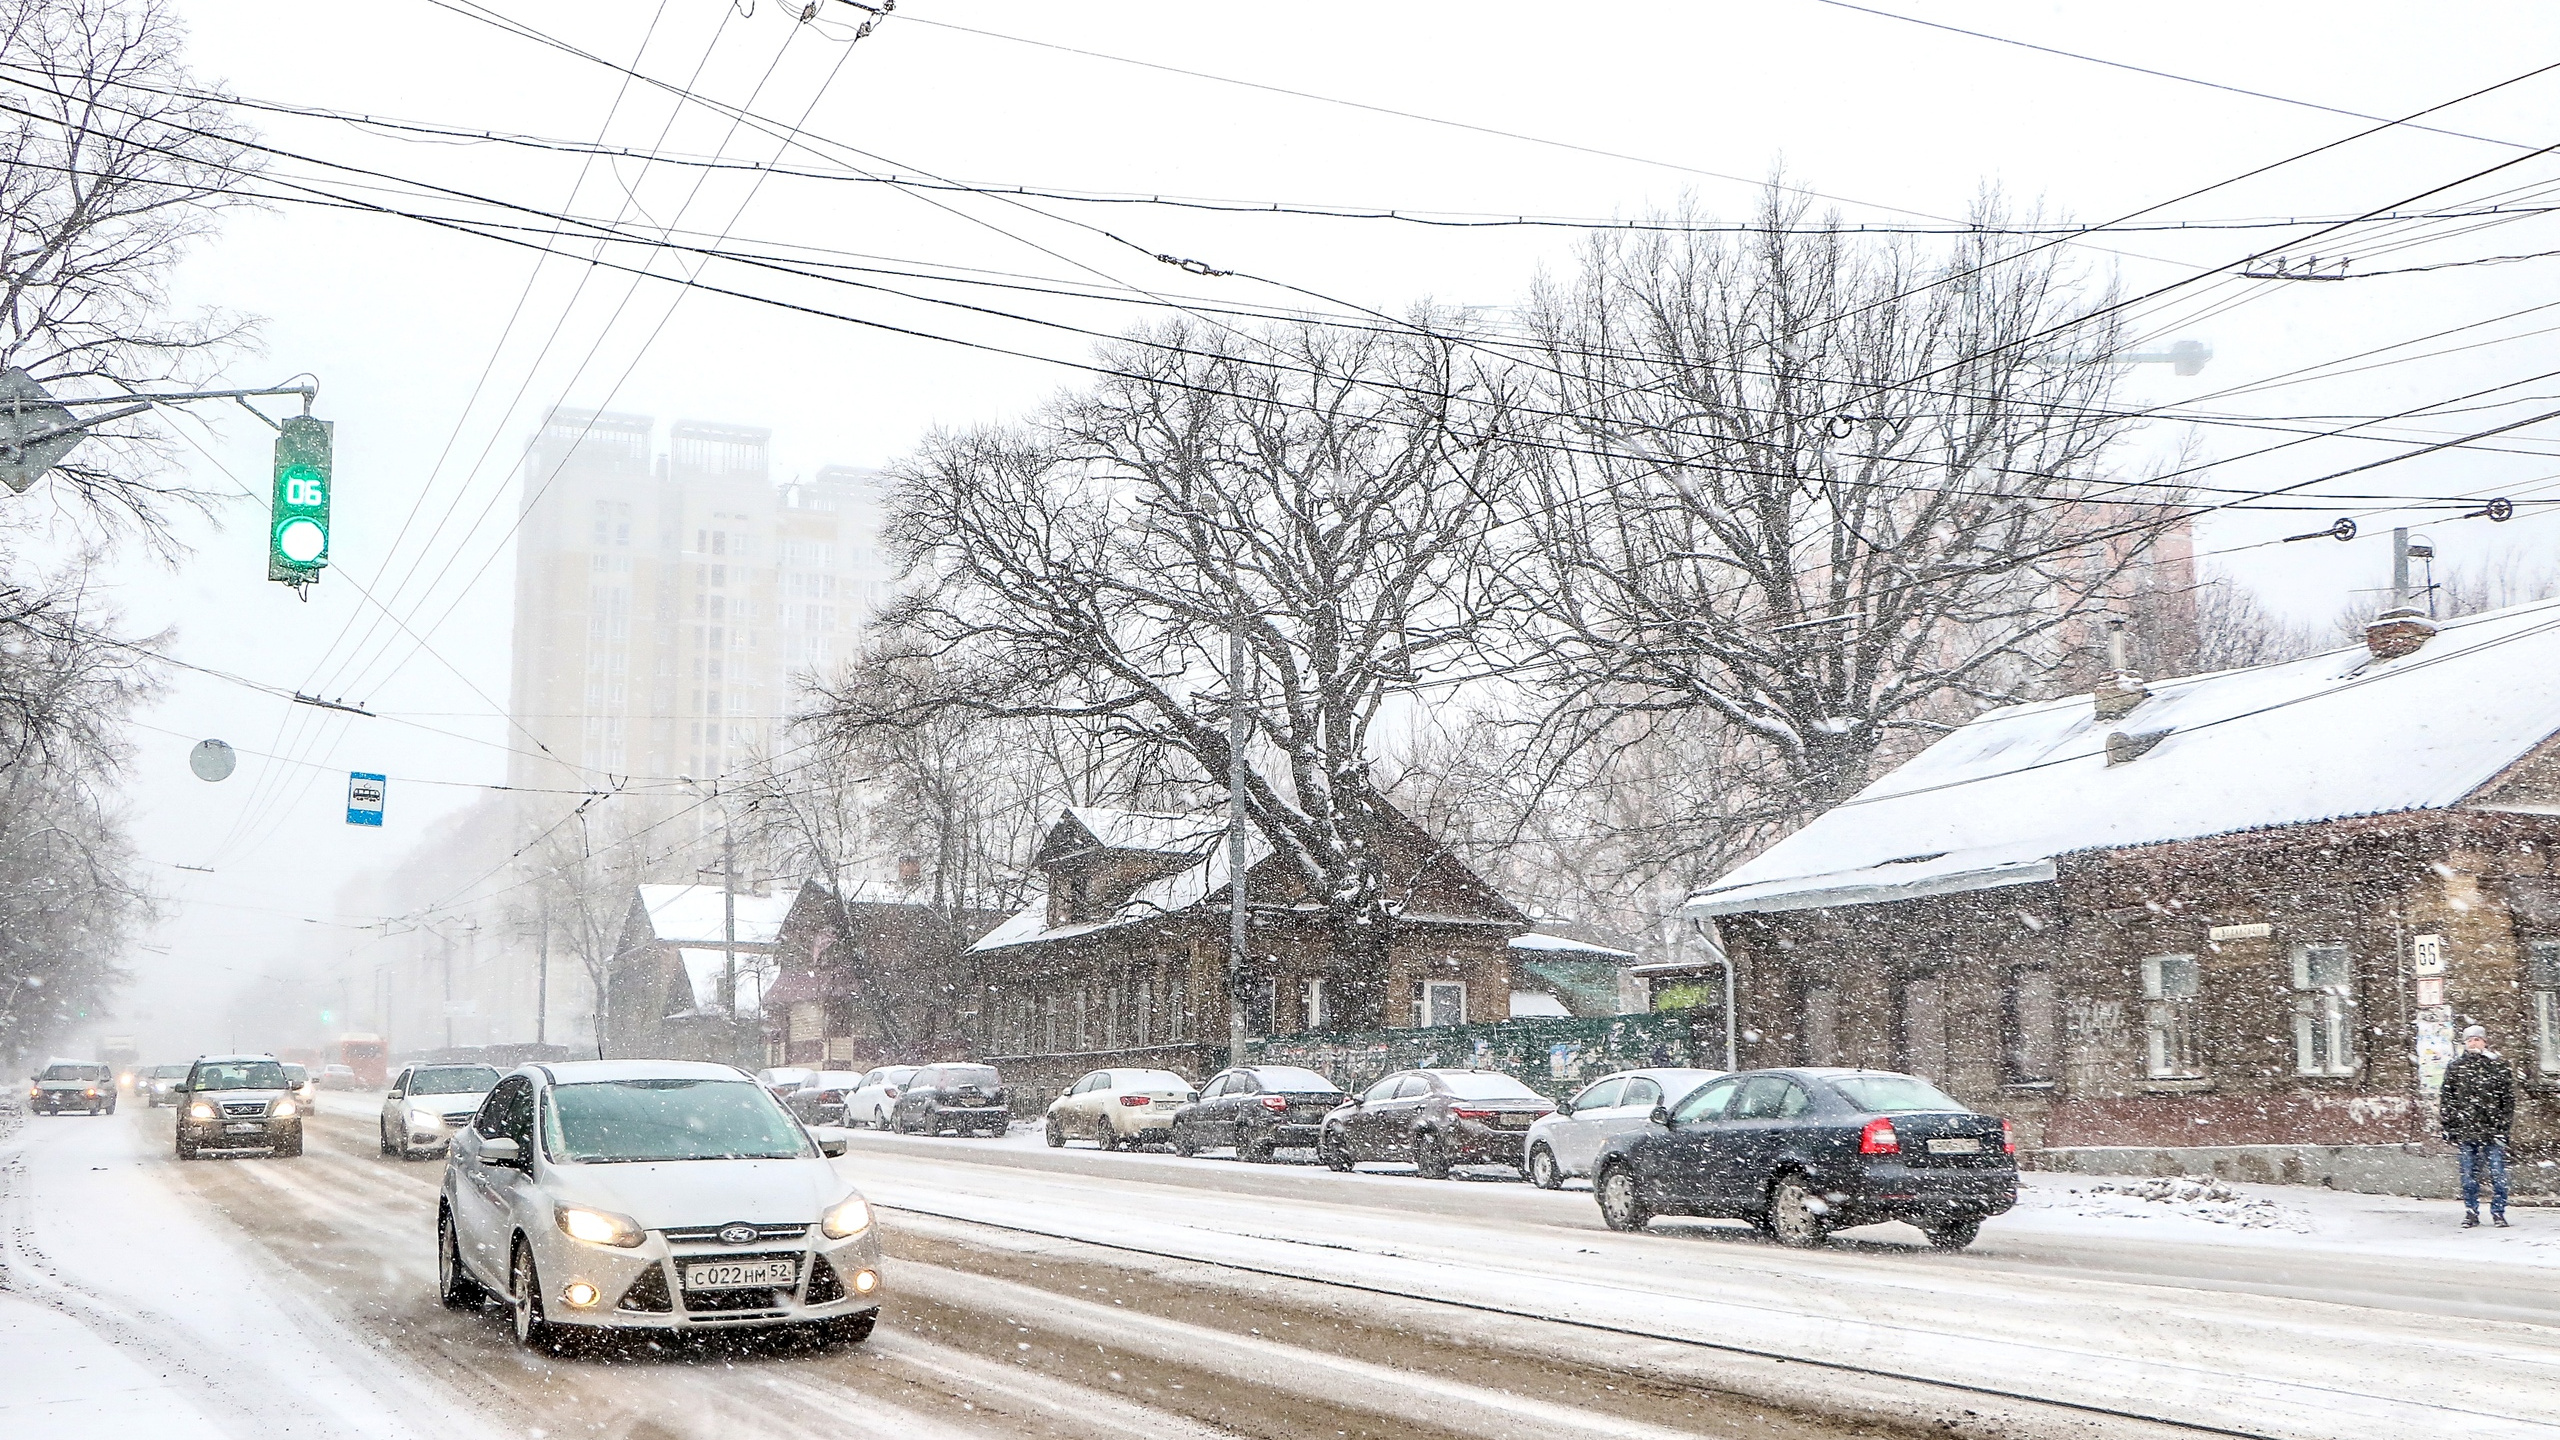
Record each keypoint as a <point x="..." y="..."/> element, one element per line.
<point x="1834" y="492"/>
<point x="1328" y="498"/>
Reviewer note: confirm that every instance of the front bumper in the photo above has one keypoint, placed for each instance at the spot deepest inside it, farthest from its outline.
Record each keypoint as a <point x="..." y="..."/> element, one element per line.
<point x="57" y="1100"/>
<point x="643" y="1288"/>
<point x="239" y="1132"/>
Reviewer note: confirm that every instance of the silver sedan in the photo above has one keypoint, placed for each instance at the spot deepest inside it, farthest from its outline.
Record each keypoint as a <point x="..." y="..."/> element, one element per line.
<point x="656" y="1195"/>
<point x="427" y="1103"/>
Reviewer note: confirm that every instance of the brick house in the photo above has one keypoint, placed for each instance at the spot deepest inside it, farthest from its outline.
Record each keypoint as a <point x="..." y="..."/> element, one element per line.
<point x="874" y="981"/>
<point x="1122" y="961"/>
<point x="2230" y="922"/>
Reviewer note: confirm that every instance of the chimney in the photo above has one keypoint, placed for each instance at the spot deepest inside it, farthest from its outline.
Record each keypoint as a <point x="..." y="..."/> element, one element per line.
<point x="2398" y="631"/>
<point x="2121" y="691"/>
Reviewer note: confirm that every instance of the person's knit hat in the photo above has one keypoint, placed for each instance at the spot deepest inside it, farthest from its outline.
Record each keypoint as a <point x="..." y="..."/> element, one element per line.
<point x="2476" y="1032"/>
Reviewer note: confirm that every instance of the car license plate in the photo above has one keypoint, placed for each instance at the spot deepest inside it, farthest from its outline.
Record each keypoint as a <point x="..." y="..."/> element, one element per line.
<point x="741" y="1274"/>
<point x="1960" y="1146"/>
<point x="246" y="1129"/>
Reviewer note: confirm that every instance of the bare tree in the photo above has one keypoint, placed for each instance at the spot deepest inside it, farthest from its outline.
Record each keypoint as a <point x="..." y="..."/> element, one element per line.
<point x="112" y="163"/>
<point x="1327" y="497"/>
<point x="1835" y="492"/>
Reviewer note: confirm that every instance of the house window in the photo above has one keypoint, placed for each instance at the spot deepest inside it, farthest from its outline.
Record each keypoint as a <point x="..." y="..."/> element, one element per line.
<point x="2324" y="1011"/>
<point x="1311" y="1002"/>
<point x="1444" y="1002"/>
<point x="2035" y="1026"/>
<point x="1924" y="1027"/>
<point x="2173" y="1042"/>
<point x="2542" y="976"/>
<point x="1821" y="1025"/>
<point x="1080" y="896"/>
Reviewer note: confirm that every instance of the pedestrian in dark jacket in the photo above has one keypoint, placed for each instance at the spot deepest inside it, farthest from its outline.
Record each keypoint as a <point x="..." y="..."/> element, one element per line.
<point x="2478" y="1105"/>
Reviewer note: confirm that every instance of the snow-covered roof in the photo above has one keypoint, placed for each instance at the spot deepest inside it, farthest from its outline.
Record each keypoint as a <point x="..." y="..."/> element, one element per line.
<point x="1163" y="895"/>
<point x="1536" y="1002"/>
<point x="705" y="969"/>
<point x="1566" y="947"/>
<point x="692" y="914"/>
<point x="1999" y="801"/>
<point x="1148" y="831"/>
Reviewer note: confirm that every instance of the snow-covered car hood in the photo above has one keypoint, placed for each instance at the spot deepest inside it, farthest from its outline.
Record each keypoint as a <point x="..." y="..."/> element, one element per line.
<point x="239" y="1097"/>
<point x="660" y="1194"/>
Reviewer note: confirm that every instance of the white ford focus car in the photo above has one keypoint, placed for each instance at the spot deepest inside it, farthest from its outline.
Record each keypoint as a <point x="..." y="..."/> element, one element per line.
<point x="652" y="1194"/>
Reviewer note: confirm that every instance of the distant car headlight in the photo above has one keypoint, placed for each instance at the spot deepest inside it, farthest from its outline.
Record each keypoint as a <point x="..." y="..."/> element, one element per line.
<point x="284" y="1110"/>
<point x="425" y="1119"/>
<point x="600" y="1227"/>
<point x="199" y="1111"/>
<point x="851" y="1216"/>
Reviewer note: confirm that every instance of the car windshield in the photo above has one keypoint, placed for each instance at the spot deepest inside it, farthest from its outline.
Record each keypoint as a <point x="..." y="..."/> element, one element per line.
<point x="456" y="1080"/>
<point x="66" y="1072"/>
<point x="1893" y="1094"/>
<point x="1487" y="1087"/>
<point x="296" y="1074"/>
<point x="611" y="1121"/>
<point x="240" y="1075"/>
<point x="167" y="1072"/>
<point x="982" y="1076"/>
<point x="1288" y="1077"/>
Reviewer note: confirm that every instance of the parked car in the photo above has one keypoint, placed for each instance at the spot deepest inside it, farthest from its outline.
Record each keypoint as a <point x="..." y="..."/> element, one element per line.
<point x="966" y="1098"/>
<point x="238" y="1102"/>
<point x="1257" y="1109"/>
<point x="428" y="1104"/>
<point x="339" y="1077"/>
<point x="783" y="1079"/>
<point x="80" y="1085"/>
<point x="1566" y="1143"/>
<point x="1436" y="1119"/>
<point x="159" y="1085"/>
<point x="873" y="1099"/>
<point x="652" y="1194"/>
<point x="1118" y="1107"/>
<point x="306" y="1090"/>
<point x="1801" y="1153"/>
<point x="821" y="1100"/>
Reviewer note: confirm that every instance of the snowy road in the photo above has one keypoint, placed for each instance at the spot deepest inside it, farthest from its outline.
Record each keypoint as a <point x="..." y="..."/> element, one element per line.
<point x="1073" y="1294"/>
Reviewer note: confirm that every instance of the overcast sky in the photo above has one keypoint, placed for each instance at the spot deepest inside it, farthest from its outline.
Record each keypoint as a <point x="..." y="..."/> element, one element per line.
<point x="437" y="351"/>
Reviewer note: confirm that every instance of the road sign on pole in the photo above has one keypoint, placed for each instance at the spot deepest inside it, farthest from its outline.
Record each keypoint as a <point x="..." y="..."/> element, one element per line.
<point x="298" y="522"/>
<point x="364" y="798"/>
<point x="35" y="433"/>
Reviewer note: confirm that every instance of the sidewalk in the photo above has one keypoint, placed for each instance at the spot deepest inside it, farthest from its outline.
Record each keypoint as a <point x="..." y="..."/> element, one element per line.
<point x="2298" y="1217"/>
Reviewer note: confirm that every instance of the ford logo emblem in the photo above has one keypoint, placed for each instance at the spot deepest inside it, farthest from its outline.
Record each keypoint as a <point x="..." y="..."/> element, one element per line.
<point x="738" y="1234"/>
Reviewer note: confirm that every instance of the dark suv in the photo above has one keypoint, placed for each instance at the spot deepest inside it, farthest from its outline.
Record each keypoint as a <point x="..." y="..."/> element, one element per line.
<point x="238" y="1102"/>
<point x="1436" y="1119"/>
<point x="966" y="1098"/>
<point x="72" y="1085"/>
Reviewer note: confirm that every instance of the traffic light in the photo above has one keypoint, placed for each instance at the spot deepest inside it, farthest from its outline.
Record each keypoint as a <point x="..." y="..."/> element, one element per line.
<point x="298" y="522"/>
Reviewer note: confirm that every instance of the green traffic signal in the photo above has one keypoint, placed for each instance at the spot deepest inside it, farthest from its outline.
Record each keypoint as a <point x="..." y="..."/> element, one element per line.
<point x="298" y="522"/>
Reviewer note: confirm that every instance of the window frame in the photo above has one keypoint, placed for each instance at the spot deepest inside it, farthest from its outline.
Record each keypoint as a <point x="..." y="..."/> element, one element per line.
<point x="2325" y="1017"/>
<point x="2172" y="1028"/>
<point x="1431" y="990"/>
<point x="2015" y="1059"/>
<point x="2542" y="1002"/>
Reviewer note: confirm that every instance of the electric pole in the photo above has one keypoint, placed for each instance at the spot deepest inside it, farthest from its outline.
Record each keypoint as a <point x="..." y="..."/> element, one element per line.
<point x="729" y="927"/>
<point x="542" y="969"/>
<point x="1238" y="724"/>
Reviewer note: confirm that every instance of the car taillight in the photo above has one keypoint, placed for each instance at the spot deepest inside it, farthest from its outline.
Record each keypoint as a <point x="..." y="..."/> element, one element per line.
<point x="830" y="1097"/>
<point x="1473" y="1114"/>
<point x="2008" y="1139"/>
<point x="1274" y="1102"/>
<point x="889" y="1090"/>
<point x="1878" y="1138"/>
<point x="1135" y="1100"/>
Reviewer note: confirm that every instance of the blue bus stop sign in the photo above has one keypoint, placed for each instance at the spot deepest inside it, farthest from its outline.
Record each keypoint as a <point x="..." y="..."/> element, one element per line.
<point x="364" y="798"/>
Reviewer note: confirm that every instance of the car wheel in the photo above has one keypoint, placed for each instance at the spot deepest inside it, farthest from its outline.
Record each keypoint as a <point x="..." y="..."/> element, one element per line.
<point x="1795" y="1216"/>
<point x="1954" y="1233"/>
<point x="382" y="1136"/>
<point x="1256" y="1150"/>
<point x="847" y="1329"/>
<point x="186" y="1148"/>
<point x="1543" y="1171"/>
<point x="1329" y="1150"/>
<point x="1056" y="1134"/>
<point x="454" y="1285"/>
<point x="289" y="1149"/>
<point x="524" y="1299"/>
<point x="1430" y="1160"/>
<point x="1622" y="1204"/>
<point x="1181" y="1141"/>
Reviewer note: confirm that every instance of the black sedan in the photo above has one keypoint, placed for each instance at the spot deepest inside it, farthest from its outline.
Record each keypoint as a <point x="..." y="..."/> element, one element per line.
<point x="968" y="1098"/>
<point x="1257" y="1109"/>
<point x="1801" y="1153"/>
<point x="1436" y="1119"/>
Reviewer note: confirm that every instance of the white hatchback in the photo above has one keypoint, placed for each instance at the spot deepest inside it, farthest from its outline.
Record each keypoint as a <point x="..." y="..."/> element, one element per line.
<point x="870" y="1102"/>
<point x="1567" y="1142"/>
<point x="652" y="1194"/>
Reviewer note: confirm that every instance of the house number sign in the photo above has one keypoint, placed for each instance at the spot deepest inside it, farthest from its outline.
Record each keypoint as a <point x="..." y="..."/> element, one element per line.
<point x="2259" y="930"/>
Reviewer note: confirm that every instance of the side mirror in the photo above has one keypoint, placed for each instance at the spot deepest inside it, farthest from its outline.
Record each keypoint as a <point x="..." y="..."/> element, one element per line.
<point x="1564" y="1107"/>
<point x="832" y="1142"/>
<point x="501" y="1150"/>
<point x="1662" y="1116"/>
<point x="1355" y="1101"/>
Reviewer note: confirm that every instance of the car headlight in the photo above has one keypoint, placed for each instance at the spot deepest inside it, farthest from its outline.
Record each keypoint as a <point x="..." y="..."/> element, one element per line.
<point x="851" y="1216"/>
<point x="199" y="1111"/>
<point x="599" y="1227"/>
<point x="426" y="1118"/>
<point x="284" y="1110"/>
